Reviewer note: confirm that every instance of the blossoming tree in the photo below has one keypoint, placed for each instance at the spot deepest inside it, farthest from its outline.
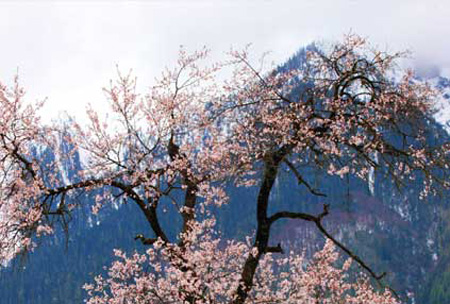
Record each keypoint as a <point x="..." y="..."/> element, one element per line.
<point x="193" y="134"/>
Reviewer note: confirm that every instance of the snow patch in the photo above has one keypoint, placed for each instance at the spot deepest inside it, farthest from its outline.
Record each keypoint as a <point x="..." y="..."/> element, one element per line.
<point x="442" y="106"/>
<point x="371" y="178"/>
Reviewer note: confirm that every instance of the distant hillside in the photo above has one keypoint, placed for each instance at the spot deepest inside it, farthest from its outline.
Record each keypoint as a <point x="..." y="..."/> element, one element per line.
<point x="392" y="231"/>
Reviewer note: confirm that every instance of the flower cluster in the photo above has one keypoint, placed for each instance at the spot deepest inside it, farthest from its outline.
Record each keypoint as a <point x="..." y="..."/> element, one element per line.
<point x="207" y="271"/>
<point x="190" y="137"/>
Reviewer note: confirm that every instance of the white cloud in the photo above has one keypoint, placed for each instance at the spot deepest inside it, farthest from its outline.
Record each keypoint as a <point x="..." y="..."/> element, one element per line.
<point x="68" y="50"/>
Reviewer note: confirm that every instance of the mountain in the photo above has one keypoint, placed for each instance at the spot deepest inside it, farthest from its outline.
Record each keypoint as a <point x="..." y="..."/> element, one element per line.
<point x="435" y="288"/>
<point x="392" y="231"/>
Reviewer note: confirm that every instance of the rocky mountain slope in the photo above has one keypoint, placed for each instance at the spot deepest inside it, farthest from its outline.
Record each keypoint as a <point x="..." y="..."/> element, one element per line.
<point x="392" y="231"/>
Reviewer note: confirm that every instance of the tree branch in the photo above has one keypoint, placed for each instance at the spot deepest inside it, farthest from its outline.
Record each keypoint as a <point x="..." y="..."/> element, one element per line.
<point x="318" y="222"/>
<point x="144" y="240"/>
<point x="275" y="249"/>
<point x="301" y="180"/>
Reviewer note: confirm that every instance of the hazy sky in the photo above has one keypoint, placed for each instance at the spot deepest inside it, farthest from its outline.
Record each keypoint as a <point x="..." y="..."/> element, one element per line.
<point x="67" y="51"/>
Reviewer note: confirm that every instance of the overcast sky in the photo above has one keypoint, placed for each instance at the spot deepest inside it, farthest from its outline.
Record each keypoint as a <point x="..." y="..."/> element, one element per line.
<point x="67" y="51"/>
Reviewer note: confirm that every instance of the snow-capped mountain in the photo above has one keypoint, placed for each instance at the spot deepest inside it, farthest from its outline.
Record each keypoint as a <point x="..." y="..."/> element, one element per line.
<point x="442" y="115"/>
<point x="393" y="232"/>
